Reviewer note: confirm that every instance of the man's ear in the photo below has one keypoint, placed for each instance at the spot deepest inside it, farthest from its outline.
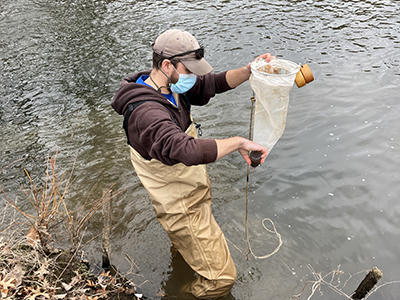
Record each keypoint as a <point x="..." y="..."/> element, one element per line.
<point x="166" y="66"/>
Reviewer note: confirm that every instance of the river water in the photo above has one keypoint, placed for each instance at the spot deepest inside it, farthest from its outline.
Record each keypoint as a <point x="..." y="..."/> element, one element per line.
<point x="330" y="184"/>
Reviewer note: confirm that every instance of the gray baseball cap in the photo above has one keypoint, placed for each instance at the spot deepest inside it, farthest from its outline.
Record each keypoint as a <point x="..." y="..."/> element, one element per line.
<point x="180" y="44"/>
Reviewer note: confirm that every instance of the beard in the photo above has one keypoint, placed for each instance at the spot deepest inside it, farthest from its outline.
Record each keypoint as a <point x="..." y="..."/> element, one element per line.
<point x="174" y="77"/>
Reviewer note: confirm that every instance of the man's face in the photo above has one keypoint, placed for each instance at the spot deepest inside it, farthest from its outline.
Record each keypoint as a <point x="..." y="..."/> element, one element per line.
<point x="181" y="69"/>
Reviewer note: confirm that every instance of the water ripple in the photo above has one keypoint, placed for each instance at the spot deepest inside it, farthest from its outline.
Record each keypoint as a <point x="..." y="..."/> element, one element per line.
<point x="331" y="181"/>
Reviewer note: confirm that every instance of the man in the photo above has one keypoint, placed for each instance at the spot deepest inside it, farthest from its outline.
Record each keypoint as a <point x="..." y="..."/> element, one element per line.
<point x="169" y="158"/>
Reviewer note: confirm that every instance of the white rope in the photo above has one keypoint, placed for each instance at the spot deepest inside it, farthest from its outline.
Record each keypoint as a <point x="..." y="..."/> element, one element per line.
<point x="271" y="231"/>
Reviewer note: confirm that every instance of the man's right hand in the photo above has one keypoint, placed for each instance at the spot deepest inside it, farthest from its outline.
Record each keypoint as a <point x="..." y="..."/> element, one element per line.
<point x="252" y="146"/>
<point x="242" y="145"/>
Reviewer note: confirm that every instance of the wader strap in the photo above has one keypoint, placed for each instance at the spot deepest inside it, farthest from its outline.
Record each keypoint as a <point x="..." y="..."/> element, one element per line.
<point x="198" y="127"/>
<point x="133" y="106"/>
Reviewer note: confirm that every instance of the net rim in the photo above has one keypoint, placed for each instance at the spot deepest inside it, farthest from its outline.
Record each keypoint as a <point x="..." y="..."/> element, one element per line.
<point x="297" y="66"/>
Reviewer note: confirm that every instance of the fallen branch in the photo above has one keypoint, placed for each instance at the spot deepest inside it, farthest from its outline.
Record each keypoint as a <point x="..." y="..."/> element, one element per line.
<point x="333" y="281"/>
<point x="367" y="284"/>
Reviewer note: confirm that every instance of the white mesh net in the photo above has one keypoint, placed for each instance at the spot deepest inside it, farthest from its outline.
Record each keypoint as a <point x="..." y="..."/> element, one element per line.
<point x="271" y="83"/>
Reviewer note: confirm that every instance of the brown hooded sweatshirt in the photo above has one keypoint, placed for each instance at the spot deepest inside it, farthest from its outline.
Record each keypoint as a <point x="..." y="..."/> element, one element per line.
<point x="151" y="128"/>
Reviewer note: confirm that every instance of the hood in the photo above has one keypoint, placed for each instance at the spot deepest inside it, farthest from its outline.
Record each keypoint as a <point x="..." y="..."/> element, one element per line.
<point x="131" y="92"/>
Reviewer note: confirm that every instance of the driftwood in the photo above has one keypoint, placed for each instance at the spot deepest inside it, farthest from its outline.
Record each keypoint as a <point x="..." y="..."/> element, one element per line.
<point x="106" y="230"/>
<point x="367" y="284"/>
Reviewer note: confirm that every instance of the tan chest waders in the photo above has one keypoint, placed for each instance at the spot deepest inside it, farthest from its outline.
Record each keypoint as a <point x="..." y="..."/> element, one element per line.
<point x="181" y="197"/>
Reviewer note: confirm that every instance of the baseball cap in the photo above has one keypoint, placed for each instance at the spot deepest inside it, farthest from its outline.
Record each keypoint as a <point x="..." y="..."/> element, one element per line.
<point x="180" y="44"/>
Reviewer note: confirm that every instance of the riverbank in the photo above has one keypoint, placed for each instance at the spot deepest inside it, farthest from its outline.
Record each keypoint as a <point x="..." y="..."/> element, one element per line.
<point x="31" y="265"/>
<point x="31" y="273"/>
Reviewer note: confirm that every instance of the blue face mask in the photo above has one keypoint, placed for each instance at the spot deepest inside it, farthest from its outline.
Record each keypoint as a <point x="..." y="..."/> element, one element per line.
<point x="185" y="83"/>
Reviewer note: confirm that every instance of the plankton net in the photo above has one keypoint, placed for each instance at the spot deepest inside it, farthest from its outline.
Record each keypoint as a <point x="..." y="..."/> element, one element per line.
<point x="271" y="83"/>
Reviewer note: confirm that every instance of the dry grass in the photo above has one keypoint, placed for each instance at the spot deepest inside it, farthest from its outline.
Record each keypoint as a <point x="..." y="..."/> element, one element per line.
<point x="31" y="267"/>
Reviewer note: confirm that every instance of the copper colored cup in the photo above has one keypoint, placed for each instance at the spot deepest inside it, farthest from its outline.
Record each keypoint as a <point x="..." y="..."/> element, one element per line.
<point x="304" y="76"/>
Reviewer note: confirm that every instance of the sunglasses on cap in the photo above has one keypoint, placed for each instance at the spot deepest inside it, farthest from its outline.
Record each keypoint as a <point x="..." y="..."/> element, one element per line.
<point x="199" y="53"/>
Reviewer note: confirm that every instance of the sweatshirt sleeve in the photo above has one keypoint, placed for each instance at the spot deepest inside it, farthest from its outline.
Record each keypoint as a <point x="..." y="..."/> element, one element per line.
<point x="206" y="87"/>
<point x="153" y="132"/>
